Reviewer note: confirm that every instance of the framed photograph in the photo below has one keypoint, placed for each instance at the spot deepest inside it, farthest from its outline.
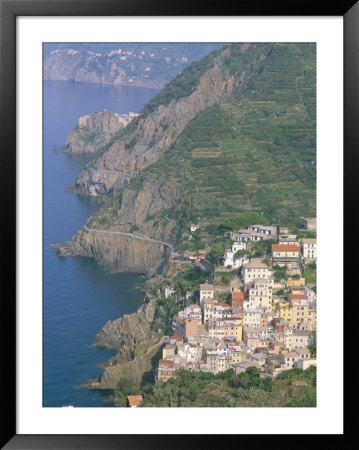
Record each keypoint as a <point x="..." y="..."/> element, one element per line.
<point x="174" y="223"/>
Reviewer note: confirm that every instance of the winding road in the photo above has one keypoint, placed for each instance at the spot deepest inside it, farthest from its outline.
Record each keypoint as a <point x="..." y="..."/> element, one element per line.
<point x="131" y="235"/>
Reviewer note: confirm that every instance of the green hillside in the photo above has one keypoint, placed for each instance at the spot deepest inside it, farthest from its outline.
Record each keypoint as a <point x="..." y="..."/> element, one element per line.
<point x="255" y="153"/>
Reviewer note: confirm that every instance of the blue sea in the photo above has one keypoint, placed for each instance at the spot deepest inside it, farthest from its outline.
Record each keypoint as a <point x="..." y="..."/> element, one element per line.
<point x="79" y="295"/>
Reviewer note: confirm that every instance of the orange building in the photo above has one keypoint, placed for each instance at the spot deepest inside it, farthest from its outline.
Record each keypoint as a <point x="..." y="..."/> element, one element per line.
<point x="237" y="299"/>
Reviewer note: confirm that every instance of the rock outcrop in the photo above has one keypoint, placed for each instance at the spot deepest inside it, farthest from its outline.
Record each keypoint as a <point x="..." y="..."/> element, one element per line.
<point x="129" y="330"/>
<point x="157" y="130"/>
<point x="95" y="130"/>
<point x="117" y="252"/>
<point x="135" y="214"/>
<point x="153" y="135"/>
<point x="136" y="344"/>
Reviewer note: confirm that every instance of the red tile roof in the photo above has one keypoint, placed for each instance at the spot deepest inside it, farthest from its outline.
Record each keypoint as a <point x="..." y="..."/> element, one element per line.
<point x="134" y="400"/>
<point x="298" y="297"/>
<point x="237" y="295"/>
<point x="285" y="248"/>
<point x="166" y="363"/>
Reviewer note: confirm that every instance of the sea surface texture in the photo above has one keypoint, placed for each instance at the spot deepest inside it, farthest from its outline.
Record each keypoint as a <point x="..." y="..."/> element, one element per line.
<point x="79" y="295"/>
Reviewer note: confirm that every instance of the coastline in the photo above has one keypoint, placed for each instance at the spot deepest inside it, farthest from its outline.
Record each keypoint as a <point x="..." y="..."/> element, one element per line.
<point x="137" y="344"/>
<point x="148" y="84"/>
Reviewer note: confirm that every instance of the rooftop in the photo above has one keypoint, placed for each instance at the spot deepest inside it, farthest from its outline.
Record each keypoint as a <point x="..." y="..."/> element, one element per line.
<point x="134" y="400"/>
<point x="255" y="265"/>
<point x="298" y="297"/>
<point x="309" y="241"/>
<point x="205" y="286"/>
<point x="284" y="248"/>
<point x="166" y="363"/>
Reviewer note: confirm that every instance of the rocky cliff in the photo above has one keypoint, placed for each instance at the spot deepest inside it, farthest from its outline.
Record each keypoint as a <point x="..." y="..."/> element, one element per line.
<point x="95" y="130"/>
<point x="119" y="253"/>
<point x="153" y="133"/>
<point x="136" y="343"/>
<point x="130" y="330"/>
<point x="125" y="231"/>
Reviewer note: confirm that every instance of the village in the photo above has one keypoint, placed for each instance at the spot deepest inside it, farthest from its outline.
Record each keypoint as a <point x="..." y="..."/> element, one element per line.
<point x="258" y="320"/>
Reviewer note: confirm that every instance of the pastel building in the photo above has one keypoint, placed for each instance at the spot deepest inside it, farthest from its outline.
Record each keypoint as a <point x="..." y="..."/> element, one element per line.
<point x="288" y="253"/>
<point x="254" y="270"/>
<point x="260" y="294"/>
<point x="206" y="292"/>
<point x="166" y="369"/>
<point x="191" y="312"/>
<point x="309" y="249"/>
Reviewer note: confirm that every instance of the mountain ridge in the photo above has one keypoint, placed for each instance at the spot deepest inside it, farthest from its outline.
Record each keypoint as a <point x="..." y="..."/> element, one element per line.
<point x="243" y="139"/>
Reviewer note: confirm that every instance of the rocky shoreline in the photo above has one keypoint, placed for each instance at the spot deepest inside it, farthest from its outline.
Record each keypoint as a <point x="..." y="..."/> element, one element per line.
<point x="138" y="347"/>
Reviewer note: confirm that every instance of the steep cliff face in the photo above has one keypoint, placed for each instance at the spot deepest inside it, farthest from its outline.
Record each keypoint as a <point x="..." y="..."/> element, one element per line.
<point x="153" y="135"/>
<point x="130" y="330"/>
<point x="95" y="130"/>
<point x="72" y="65"/>
<point x="133" y="369"/>
<point x="118" y="252"/>
<point x="136" y="344"/>
<point x="126" y="234"/>
<point x="157" y="128"/>
<point x="217" y="138"/>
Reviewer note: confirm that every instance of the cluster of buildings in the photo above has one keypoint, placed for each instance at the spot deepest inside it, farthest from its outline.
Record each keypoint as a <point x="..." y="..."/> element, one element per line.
<point x="290" y="250"/>
<point x="287" y="249"/>
<point x="256" y="327"/>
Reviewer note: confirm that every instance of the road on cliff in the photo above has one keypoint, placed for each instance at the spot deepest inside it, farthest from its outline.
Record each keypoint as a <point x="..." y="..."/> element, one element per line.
<point x="134" y="236"/>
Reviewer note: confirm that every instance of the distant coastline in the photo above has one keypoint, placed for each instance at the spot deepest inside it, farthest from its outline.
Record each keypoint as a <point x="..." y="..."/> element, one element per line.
<point x="138" y="83"/>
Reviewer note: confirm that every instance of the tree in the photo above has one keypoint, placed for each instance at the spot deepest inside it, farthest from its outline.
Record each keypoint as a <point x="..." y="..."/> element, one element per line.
<point x="240" y="253"/>
<point x="212" y="229"/>
<point x="313" y="346"/>
<point x="216" y="253"/>
<point x="124" y="388"/>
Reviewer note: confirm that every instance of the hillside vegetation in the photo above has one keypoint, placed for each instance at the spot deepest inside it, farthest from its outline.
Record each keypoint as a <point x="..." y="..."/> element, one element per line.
<point x="255" y="153"/>
<point x="292" y="388"/>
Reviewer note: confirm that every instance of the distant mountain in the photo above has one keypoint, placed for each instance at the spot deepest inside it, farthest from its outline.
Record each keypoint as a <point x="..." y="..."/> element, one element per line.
<point x="234" y="132"/>
<point x="150" y="65"/>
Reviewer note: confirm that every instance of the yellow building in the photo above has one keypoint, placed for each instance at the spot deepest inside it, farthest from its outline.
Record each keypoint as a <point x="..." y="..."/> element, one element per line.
<point x="233" y="328"/>
<point x="285" y="311"/>
<point x="285" y="253"/>
<point x="168" y="350"/>
<point x="303" y="316"/>
<point x="236" y="356"/>
<point x="294" y="282"/>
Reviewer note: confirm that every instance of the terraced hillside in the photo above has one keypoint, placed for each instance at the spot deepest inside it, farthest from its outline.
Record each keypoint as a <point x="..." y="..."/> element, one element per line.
<point x="249" y="145"/>
<point x="256" y="153"/>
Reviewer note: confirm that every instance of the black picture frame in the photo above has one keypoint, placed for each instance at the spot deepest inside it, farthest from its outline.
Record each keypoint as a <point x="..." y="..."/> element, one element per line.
<point x="9" y="10"/>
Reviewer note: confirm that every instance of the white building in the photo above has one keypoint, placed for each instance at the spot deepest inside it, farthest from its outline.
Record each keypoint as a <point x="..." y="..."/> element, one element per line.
<point x="262" y="229"/>
<point x="260" y="294"/>
<point x="254" y="270"/>
<point x="309" y="249"/>
<point x="169" y="292"/>
<point x="191" y="312"/>
<point x="230" y="260"/>
<point x="206" y="292"/>
<point x="251" y="317"/>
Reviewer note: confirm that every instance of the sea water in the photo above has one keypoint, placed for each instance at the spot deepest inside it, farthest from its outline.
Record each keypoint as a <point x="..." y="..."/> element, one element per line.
<point x="79" y="295"/>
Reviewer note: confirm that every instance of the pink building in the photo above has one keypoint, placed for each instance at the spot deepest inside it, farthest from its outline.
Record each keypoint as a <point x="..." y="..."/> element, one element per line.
<point x="166" y="369"/>
<point x="191" y="312"/>
<point x="251" y="337"/>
